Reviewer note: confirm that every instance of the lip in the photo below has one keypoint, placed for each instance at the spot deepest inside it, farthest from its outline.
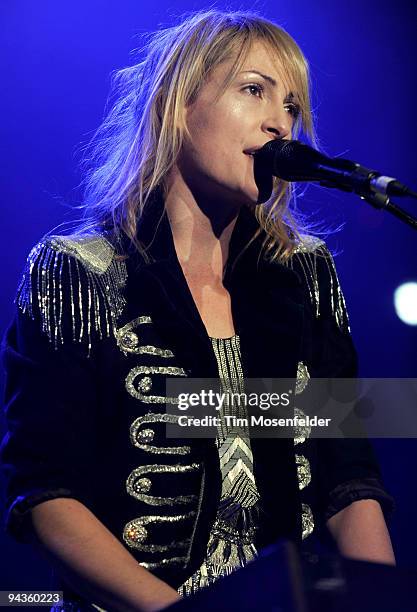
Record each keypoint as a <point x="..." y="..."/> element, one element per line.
<point x="252" y="150"/>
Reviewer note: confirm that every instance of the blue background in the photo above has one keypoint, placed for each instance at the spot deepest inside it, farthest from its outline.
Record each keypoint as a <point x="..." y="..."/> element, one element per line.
<point x="56" y="59"/>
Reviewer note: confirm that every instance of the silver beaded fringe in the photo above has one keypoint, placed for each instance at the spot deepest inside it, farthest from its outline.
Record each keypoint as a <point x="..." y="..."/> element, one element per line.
<point x="306" y="255"/>
<point x="77" y="272"/>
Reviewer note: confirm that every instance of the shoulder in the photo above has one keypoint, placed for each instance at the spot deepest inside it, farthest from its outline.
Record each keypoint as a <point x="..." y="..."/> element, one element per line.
<point x="313" y="262"/>
<point x="94" y="251"/>
<point x="73" y="285"/>
<point x="309" y="244"/>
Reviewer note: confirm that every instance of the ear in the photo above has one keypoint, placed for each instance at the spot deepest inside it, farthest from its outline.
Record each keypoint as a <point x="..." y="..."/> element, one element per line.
<point x="183" y="120"/>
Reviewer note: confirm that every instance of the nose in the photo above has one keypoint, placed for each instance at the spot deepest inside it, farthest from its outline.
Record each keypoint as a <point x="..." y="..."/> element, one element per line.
<point x="279" y="123"/>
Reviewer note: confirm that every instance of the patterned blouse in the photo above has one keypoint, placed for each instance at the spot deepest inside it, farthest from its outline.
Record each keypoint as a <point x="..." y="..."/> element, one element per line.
<point x="232" y="537"/>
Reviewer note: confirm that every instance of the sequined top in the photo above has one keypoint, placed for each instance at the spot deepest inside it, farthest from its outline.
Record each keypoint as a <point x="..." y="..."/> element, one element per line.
<point x="232" y="538"/>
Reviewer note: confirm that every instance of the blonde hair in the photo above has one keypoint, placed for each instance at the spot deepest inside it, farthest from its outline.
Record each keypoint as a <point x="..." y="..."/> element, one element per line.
<point x="137" y="144"/>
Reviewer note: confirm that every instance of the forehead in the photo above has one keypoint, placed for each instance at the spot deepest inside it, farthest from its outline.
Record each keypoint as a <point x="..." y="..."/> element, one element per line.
<point x="264" y="58"/>
<point x="261" y="55"/>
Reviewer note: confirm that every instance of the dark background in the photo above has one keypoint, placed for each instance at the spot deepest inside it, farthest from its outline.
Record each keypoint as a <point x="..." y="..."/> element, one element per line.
<point x="56" y="60"/>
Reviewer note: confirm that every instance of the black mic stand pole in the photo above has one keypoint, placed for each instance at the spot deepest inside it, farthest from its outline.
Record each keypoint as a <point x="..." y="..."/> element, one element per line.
<point x="359" y="180"/>
<point x="382" y="202"/>
<point x="363" y="185"/>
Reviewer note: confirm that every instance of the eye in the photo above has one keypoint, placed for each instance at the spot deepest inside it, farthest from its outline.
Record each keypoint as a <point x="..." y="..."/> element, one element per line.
<point x="255" y="87"/>
<point x="293" y="109"/>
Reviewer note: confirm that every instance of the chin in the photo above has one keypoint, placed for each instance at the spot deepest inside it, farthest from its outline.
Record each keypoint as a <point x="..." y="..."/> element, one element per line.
<point x="240" y="195"/>
<point x="251" y="195"/>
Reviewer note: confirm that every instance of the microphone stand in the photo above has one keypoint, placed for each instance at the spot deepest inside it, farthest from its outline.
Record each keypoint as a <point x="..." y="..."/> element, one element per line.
<point x="378" y="200"/>
<point x="361" y="182"/>
<point x="382" y="202"/>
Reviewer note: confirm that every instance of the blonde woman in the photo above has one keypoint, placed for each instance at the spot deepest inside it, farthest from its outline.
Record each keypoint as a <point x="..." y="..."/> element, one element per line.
<point x="179" y="269"/>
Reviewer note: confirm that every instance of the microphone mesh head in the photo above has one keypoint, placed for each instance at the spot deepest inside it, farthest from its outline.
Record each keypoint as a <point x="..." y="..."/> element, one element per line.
<point x="290" y="160"/>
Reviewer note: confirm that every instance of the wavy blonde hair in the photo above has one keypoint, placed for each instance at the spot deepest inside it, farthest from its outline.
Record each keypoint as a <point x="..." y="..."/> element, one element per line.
<point x="133" y="150"/>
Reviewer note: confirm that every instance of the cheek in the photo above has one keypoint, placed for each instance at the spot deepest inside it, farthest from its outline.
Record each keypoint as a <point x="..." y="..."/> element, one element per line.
<point x="215" y="126"/>
<point x="220" y="134"/>
<point x="205" y="134"/>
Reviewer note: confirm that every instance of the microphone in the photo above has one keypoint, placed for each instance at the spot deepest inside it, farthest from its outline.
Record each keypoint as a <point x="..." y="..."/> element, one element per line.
<point x="292" y="160"/>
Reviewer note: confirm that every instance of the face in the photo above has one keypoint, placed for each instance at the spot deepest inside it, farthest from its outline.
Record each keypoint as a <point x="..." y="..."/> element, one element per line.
<point x="255" y="108"/>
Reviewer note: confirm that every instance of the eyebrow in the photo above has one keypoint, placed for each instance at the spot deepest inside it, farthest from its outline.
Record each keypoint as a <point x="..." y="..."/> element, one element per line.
<point x="270" y="80"/>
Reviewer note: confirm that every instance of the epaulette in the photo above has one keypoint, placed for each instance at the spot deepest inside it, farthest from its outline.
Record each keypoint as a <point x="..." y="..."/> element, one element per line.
<point x="307" y="256"/>
<point x="76" y="275"/>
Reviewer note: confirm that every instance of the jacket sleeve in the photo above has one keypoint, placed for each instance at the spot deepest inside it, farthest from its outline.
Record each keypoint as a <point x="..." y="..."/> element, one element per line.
<point x="51" y="399"/>
<point x="348" y="469"/>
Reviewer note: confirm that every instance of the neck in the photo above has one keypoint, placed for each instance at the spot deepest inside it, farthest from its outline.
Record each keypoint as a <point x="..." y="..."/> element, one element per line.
<point x="201" y="231"/>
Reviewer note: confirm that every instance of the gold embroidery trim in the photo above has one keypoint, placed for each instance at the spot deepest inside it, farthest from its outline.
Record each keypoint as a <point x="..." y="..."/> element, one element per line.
<point x="303" y="471"/>
<point x="135" y="484"/>
<point x="151" y="399"/>
<point x="307" y="520"/>
<point x="140" y="438"/>
<point x="135" y="532"/>
<point x="129" y="341"/>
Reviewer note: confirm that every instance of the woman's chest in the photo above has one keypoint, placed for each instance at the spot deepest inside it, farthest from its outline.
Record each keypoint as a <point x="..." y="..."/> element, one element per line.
<point x="213" y="303"/>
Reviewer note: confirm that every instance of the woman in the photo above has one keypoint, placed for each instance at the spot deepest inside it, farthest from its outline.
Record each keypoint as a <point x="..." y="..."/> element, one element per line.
<point x="180" y="270"/>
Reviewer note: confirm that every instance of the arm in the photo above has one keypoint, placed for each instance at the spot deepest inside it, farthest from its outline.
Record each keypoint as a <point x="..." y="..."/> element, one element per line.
<point x="361" y="533"/>
<point x="353" y="501"/>
<point x="93" y="562"/>
<point x="51" y="451"/>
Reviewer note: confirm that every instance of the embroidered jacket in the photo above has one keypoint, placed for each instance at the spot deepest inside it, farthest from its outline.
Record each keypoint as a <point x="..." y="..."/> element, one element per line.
<point x="93" y="339"/>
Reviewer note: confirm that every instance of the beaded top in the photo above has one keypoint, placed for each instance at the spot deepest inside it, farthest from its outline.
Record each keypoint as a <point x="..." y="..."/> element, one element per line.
<point x="231" y="542"/>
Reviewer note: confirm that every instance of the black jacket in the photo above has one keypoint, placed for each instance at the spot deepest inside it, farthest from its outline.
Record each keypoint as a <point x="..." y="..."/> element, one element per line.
<point x="93" y="339"/>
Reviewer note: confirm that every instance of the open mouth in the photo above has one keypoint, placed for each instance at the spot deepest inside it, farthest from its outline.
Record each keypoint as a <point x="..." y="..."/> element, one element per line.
<point x="251" y="152"/>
